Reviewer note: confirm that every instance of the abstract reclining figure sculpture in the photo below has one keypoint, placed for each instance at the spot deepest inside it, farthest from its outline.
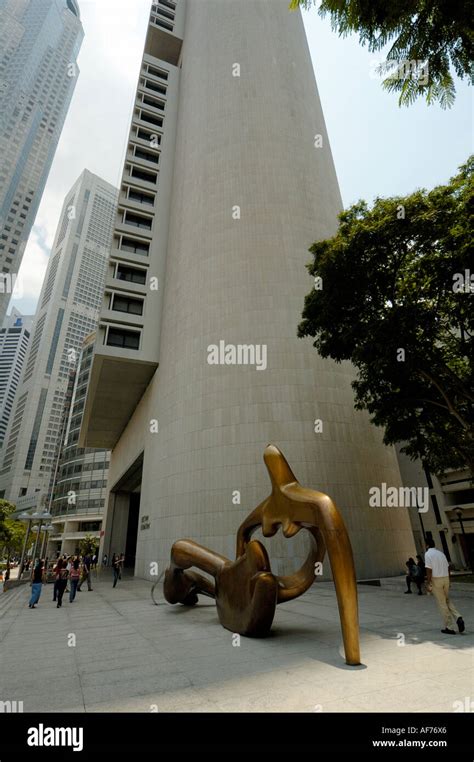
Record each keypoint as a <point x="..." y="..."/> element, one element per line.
<point x="245" y="590"/>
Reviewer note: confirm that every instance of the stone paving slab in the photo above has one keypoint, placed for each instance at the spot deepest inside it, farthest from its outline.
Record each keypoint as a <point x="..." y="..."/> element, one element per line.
<point x="113" y="650"/>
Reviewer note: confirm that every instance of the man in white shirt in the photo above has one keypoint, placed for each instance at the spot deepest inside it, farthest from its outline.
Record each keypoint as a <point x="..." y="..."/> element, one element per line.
<point x="437" y="582"/>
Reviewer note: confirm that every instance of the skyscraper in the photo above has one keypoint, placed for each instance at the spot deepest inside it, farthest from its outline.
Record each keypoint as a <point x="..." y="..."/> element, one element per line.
<point x="228" y="180"/>
<point x="39" y="44"/>
<point x="67" y="312"/>
<point x="14" y="338"/>
<point x="81" y="479"/>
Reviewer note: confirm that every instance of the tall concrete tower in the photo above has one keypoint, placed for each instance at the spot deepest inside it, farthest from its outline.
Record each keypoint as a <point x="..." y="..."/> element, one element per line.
<point x="233" y="187"/>
<point x="39" y="44"/>
<point x="68" y="310"/>
<point x="14" y="338"/>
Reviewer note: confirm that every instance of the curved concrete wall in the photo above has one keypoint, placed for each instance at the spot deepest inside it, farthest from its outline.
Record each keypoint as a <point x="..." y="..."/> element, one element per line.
<point x="248" y="141"/>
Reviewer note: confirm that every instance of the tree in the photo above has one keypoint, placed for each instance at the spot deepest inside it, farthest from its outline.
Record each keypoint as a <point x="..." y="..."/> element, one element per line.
<point x="88" y="545"/>
<point x="396" y="300"/>
<point x="12" y="532"/>
<point x="13" y="537"/>
<point x="6" y="509"/>
<point x="429" y="37"/>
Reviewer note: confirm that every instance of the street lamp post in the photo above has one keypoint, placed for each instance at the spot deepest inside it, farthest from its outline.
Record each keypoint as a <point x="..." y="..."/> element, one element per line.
<point x="47" y="529"/>
<point x="46" y="517"/>
<point x="40" y="517"/>
<point x="24" y="517"/>
<point x="36" y="515"/>
<point x="459" y="514"/>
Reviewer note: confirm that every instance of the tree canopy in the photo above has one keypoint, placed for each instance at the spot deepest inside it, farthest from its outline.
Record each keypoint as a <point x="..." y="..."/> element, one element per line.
<point x="429" y="39"/>
<point x="88" y="545"/>
<point x="12" y="532"/>
<point x="394" y="295"/>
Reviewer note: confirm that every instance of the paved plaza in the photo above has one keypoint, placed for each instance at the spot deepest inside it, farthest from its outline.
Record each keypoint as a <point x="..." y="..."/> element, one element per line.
<point x="113" y="650"/>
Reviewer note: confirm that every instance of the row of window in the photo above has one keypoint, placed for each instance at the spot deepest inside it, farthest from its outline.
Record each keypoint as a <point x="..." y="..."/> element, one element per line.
<point x="78" y="468"/>
<point x="144" y="174"/>
<point x="147" y="111"/>
<point x="80" y="486"/>
<point x="141" y="197"/>
<point x="129" y="304"/>
<point x="134" y="246"/>
<point x="123" y="338"/>
<point x="137" y="220"/>
<point x="62" y="506"/>
<point x="130" y="274"/>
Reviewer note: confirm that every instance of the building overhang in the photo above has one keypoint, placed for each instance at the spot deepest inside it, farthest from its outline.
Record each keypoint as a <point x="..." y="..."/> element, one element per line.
<point x="76" y="517"/>
<point x="116" y="386"/>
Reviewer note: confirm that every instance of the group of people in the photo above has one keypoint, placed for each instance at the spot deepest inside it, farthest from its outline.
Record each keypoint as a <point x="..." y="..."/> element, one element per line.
<point x="416" y="572"/>
<point x="75" y="570"/>
<point x="68" y="570"/>
<point x="70" y="573"/>
<point x="435" y="570"/>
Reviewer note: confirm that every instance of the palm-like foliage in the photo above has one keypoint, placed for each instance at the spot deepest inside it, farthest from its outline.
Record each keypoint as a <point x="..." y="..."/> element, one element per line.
<point x="437" y="34"/>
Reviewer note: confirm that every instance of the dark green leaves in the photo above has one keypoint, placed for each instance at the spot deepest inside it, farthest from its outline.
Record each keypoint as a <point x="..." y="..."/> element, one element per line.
<point x="389" y="304"/>
<point x="428" y="39"/>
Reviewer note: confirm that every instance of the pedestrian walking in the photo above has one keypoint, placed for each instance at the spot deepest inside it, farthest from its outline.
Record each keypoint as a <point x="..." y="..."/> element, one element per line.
<point x="37" y="579"/>
<point x="86" y="573"/>
<point x="56" y="571"/>
<point x="61" y="583"/>
<point x="74" y="576"/>
<point x="67" y="562"/>
<point x="437" y="580"/>
<point x="104" y="559"/>
<point x="116" y="568"/>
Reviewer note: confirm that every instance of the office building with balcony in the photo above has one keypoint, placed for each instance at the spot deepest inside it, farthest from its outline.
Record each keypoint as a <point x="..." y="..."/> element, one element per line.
<point x="227" y="181"/>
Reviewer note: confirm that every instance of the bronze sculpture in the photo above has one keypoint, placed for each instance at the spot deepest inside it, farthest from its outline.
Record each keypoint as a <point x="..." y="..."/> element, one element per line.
<point x="245" y="590"/>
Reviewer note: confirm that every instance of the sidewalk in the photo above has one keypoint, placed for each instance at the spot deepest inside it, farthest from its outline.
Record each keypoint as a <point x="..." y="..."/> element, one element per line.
<point x="113" y="650"/>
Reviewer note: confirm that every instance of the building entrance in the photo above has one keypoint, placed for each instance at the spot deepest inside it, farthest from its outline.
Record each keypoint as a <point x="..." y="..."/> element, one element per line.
<point x="123" y="513"/>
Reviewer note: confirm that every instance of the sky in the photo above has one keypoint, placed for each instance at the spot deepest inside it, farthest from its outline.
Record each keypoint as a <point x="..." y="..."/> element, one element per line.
<point x="379" y="148"/>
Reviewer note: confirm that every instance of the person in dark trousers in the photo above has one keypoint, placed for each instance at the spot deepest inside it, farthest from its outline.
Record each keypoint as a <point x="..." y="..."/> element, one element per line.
<point x="74" y="576"/>
<point x="59" y="565"/>
<point x="62" y="583"/>
<point x="37" y="578"/>
<point x="421" y="565"/>
<point x="86" y="573"/>
<point x="414" y="575"/>
<point x="116" y="568"/>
